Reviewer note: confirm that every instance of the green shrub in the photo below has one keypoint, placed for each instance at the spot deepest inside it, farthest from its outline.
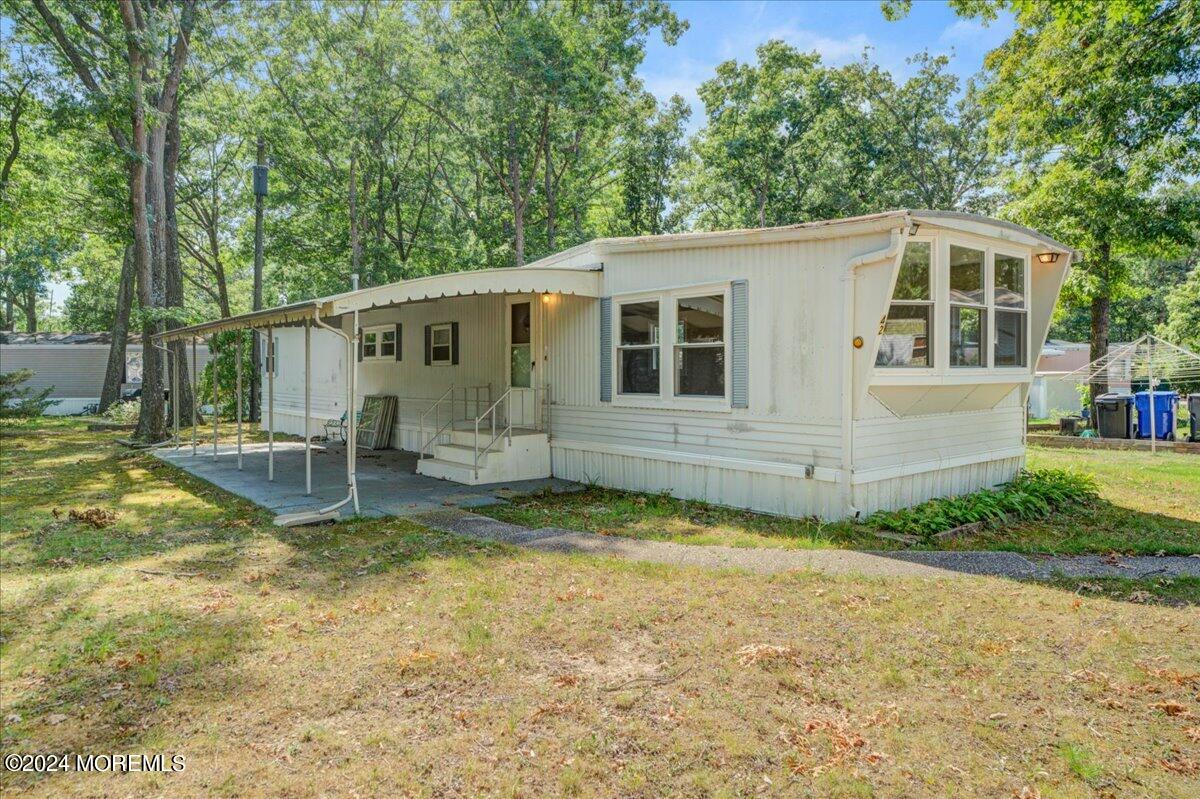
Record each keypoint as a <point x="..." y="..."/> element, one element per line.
<point x="123" y="412"/>
<point x="20" y="402"/>
<point x="1032" y="494"/>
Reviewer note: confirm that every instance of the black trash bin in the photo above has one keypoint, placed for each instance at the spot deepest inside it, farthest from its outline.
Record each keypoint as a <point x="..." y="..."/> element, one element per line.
<point x="1193" y="405"/>
<point x="1114" y="416"/>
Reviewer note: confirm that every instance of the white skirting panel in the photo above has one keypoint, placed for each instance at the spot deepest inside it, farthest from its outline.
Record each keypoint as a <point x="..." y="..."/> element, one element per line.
<point x="770" y="493"/>
<point x="902" y="492"/>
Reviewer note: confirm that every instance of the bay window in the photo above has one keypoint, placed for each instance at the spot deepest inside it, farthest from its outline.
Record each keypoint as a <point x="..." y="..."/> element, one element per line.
<point x="905" y="339"/>
<point x="700" y="346"/>
<point x="968" y="307"/>
<point x="638" y="349"/>
<point x="957" y="304"/>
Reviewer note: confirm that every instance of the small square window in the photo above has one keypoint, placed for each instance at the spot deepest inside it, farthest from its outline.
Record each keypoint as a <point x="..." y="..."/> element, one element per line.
<point x="370" y="345"/>
<point x="440" y="346"/>
<point x="387" y="344"/>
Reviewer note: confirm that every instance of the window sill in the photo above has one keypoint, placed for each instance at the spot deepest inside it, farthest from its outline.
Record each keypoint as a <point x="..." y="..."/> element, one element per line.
<point x="651" y="402"/>
<point x="885" y="376"/>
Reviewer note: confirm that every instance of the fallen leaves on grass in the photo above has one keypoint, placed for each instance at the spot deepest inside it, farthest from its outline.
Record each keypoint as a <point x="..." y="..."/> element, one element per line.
<point x="1172" y="708"/>
<point x="827" y="742"/>
<point x="566" y="680"/>
<point x="96" y="517"/>
<point x="1184" y="766"/>
<point x="768" y="654"/>
<point x="416" y="658"/>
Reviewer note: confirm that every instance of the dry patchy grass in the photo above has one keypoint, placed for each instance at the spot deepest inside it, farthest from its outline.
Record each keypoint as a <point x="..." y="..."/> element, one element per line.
<point x="383" y="659"/>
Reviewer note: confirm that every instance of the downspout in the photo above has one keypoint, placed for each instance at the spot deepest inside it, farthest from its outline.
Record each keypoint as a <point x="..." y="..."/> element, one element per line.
<point x="850" y="277"/>
<point x="351" y="478"/>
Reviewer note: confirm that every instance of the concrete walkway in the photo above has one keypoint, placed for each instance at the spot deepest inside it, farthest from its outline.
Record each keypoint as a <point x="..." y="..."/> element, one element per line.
<point x="829" y="561"/>
<point x="387" y="481"/>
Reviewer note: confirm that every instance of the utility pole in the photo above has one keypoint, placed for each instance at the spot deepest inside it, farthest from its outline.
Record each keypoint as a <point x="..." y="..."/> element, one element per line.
<point x="260" y="192"/>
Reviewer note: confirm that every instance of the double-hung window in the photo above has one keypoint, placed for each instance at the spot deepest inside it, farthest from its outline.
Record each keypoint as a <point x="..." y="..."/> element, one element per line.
<point x="1012" y="344"/>
<point x="638" y="356"/>
<point x="441" y="345"/>
<point x="906" y="338"/>
<point x="379" y="342"/>
<point x="700" y="346"/>
<point x="968" y="307"/>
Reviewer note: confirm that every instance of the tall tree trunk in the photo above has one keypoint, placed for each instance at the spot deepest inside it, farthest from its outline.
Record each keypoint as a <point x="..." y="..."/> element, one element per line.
<point x="1101" y="313"/>
<point x="514" y="191"/>
<point x="111" y="391"/>
<point x="150" y="418"/>
<point x="174" y="270"/>
<point x="551" y="202"/>
<point x="30" y="310"/>
<point x="355" y="235"/>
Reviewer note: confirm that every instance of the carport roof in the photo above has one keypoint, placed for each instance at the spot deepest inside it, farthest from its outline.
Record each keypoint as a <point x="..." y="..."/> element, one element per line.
<point x="583" y="281"/>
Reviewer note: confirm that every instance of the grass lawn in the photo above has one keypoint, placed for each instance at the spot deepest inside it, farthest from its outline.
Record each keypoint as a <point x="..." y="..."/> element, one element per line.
<point x="381" y="658"/>
<point x="1148" y="504"/>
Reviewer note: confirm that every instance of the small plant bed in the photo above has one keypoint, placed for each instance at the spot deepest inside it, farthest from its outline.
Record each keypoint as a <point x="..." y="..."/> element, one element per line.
<point x="1032" y="495"/>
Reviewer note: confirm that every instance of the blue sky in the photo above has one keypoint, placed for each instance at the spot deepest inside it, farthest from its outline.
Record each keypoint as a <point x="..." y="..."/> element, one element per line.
<point x="838" y="31"/>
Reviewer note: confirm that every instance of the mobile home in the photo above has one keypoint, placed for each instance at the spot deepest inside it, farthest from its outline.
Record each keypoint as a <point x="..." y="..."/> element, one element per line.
<point x="72" y="365"/>
<point x="821" y="369"/>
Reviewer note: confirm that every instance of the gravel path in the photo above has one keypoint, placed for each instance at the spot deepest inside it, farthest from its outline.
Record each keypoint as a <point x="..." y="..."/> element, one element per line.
<point x="829" y="561"/>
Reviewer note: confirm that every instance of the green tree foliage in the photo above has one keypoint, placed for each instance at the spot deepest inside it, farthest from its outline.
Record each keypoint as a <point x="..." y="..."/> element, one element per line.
<point x="19" y="401"/>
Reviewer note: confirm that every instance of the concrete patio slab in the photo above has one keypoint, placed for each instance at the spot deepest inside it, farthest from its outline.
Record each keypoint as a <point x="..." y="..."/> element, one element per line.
<point x="387" y="481"/>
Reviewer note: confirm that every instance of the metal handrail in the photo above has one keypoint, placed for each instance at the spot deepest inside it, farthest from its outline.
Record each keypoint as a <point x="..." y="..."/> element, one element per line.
<point x="437" y="419"/>
<point x="450" y="398"/>
<point x="538" y="421"/>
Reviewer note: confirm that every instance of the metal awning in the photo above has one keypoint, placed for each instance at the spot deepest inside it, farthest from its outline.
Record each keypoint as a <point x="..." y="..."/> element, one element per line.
<point x="581" y="281"/>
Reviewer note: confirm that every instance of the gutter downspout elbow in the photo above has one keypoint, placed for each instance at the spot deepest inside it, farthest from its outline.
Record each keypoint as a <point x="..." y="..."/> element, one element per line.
<point x="850" y="277"/>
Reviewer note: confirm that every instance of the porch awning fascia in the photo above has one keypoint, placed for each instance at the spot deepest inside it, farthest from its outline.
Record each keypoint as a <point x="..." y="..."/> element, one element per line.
<point x="268" y="317"/>
<point x="580" y="281"/>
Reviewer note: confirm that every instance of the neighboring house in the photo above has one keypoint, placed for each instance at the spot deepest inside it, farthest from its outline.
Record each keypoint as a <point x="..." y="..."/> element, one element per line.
<point x="74" y="364"/>
<point x="1050" y="392"/>
<point x="1063" y="356"/>
<point x="827" y="368"/>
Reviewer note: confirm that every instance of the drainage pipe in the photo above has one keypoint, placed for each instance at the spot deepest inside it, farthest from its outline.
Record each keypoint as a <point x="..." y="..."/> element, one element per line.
<point x="850" y="278"/>
<point x="351" y="483"/>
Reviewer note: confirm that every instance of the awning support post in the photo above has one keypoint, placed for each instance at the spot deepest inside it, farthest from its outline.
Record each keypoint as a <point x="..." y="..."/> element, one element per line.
<point x="216" y="399"/>
<point x="238" y="370"/>
<point x="195" y="393"/>
<point x="307" y="408"/>
<point x="270" y="403"/>
<point x="175" y="393"/>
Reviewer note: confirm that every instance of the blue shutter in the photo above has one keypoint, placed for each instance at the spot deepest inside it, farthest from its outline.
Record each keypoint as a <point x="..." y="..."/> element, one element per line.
<point x="606" y="349"/>
<point x="740" y="346"/>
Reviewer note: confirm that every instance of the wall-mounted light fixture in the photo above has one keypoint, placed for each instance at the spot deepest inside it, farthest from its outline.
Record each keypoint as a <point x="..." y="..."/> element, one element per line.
<point x="1047" y="257"/>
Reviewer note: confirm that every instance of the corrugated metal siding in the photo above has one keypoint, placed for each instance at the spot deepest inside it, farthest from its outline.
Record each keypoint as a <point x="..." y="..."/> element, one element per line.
<point x="884" y="440"/>
<point x="753" y="438"/>
<point x="902" y="492"/>
<point x="74" y="370"/>
<point x="789" y="496"/>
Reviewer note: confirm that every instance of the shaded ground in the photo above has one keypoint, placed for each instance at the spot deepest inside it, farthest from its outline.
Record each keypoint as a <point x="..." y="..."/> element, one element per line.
<point x="1148" y="505"/>
<point x="387" y="481"/>
<point x="383" y="658"/>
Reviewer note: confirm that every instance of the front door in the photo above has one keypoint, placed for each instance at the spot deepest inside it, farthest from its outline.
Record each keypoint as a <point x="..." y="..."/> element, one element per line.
<point x="523" y="370"/>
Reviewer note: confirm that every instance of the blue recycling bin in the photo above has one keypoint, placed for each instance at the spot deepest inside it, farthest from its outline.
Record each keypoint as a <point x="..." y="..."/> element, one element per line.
<point x="1164" y="412"/>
